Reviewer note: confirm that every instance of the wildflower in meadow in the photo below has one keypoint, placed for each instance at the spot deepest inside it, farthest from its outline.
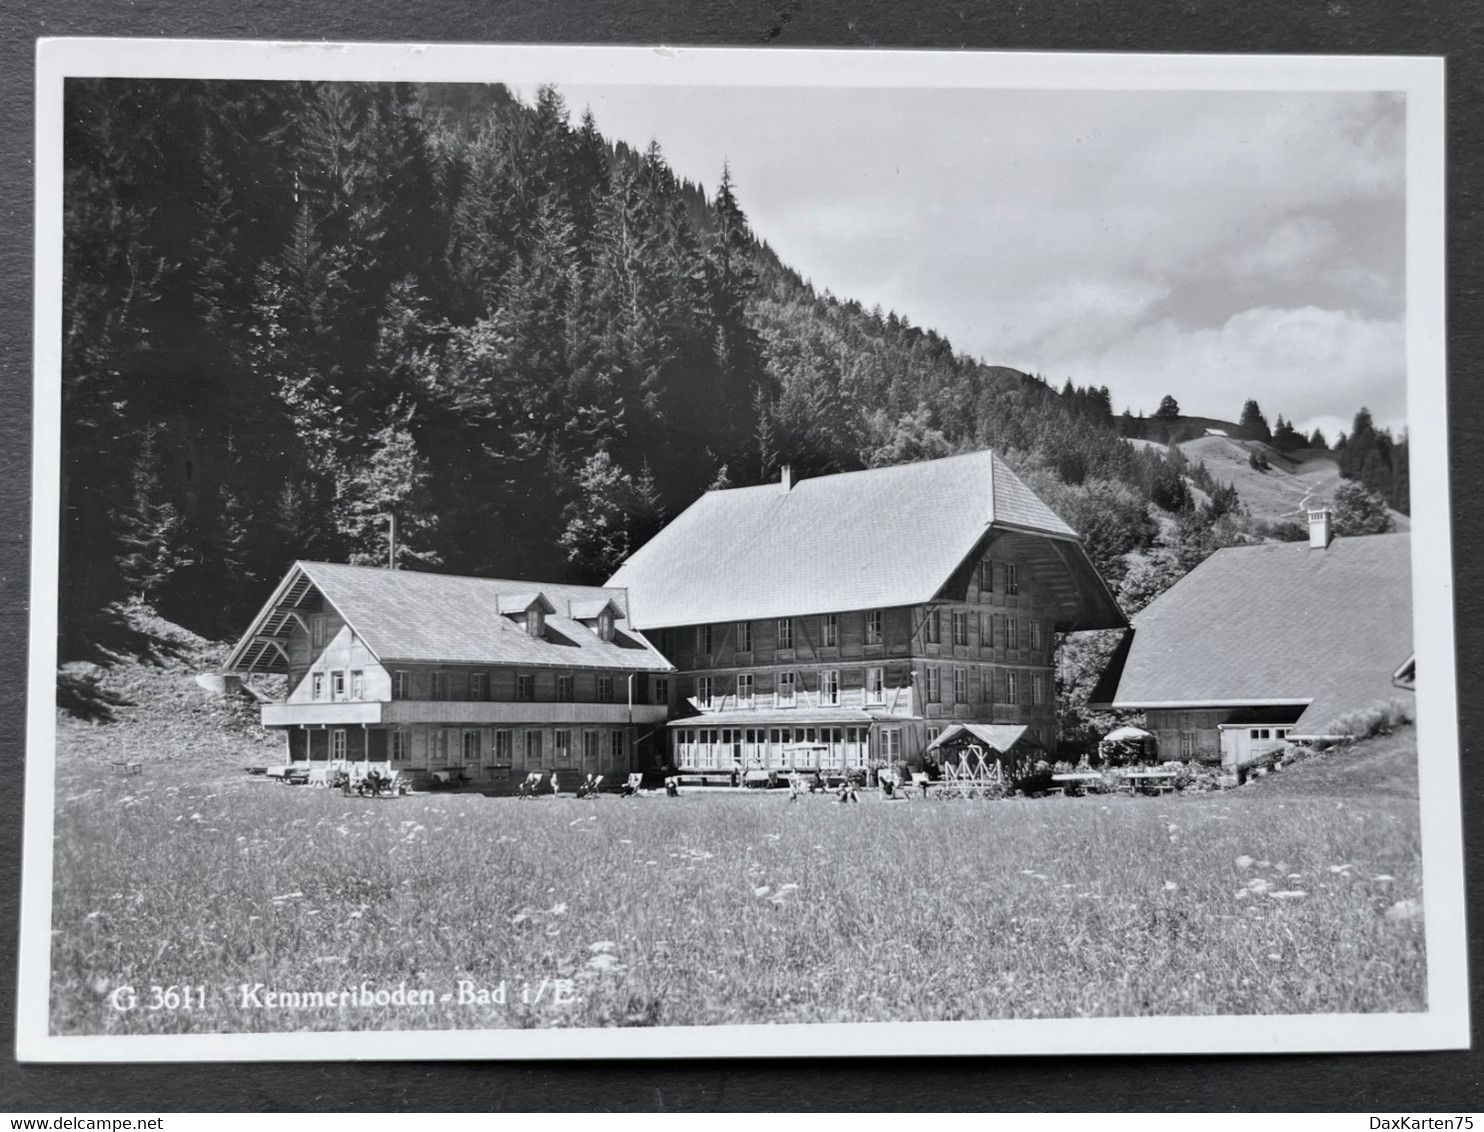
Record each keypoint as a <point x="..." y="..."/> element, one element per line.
<point x="1404" y="910"/>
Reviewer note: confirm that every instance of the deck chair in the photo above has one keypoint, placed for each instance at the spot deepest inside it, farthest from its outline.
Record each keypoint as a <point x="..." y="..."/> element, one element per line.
<point x="921" y="780"/>
<point x="631" y="787"/>
<point x="532" y="783"/>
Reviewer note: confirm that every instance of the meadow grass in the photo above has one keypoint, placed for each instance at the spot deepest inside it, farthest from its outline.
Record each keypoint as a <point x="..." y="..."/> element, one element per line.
<point x="736" y="908"/>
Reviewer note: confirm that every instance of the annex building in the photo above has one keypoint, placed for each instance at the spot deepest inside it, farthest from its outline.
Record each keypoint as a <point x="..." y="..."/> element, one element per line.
<point x="429" y="672"/>
<point x="846" y="620"/>
<point x="1263" y="644"/>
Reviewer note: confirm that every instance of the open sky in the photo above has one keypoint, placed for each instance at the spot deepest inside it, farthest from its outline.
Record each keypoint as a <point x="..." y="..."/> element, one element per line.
<point x="1212" y="245"/>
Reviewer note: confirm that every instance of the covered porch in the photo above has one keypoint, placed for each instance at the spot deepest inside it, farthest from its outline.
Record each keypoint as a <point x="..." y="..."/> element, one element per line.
<point x="827" y="740"/>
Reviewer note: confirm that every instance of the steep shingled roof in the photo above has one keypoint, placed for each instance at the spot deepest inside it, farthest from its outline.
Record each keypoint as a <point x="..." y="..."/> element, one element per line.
<point x="860" y="540"/>
<point x="405" y="615"/>
<point x="1278" y="623"/>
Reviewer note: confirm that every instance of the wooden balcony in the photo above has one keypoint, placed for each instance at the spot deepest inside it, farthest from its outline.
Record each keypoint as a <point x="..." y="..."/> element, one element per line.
<point x="443" y="711"/>
<point x="457" y="712"/>
<point x="336" y="714"/>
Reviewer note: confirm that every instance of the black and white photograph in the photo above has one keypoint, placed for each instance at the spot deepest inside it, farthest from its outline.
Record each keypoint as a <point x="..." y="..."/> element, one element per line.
<point x="575" y="552"/>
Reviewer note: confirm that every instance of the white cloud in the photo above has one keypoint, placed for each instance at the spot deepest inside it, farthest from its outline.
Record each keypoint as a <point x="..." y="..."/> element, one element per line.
<point x="1291" y="252"/>
<point x="1305" y="363"/>
<point x="1104" y="236"/>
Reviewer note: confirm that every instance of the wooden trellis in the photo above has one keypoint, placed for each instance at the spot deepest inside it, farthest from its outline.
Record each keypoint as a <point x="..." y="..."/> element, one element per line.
<point x="974" y="772"/>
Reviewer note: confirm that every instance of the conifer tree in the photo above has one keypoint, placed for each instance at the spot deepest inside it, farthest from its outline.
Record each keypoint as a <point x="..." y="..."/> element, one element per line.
<point x="391" y="481"/>
<point x="612" y="515"/>
<point x="1253" y="422"/>
<point x="149" y="528"/>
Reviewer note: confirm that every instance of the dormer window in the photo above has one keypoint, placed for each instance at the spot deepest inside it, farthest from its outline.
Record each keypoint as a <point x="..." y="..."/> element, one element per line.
<point x="599" y="617"/>
<point x="528" y="610"/>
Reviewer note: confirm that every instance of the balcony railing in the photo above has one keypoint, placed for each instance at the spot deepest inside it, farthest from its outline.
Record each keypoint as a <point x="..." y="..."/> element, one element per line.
<point x="435" y="711"/>
<point x="341" y="713"/>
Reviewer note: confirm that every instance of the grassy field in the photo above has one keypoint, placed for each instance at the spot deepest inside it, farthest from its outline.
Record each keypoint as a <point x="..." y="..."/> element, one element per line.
<point x="1300" y="893"/>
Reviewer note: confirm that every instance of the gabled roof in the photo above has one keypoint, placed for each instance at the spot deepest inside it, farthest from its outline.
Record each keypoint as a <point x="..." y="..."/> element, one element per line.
<point x="861" y="540"/>
<point x="412" y="617"/>
<point x="592" y="610"/>
<point x="1000" y="737"/>
<point x="524" y="602"/>
<point x="1271" y="625"/>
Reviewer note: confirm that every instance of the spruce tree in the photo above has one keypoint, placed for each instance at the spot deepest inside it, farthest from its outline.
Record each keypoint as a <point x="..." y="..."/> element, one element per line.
<point x="392" y="480"/>
<point x="612" y="515"/>
<point x="149" y="528"/>
<point x="1253" y="423"/>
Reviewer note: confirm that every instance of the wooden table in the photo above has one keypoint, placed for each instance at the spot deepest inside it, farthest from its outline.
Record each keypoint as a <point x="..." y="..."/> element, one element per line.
<point x="1077" y="777"/>
<point x="1151" y="779"/>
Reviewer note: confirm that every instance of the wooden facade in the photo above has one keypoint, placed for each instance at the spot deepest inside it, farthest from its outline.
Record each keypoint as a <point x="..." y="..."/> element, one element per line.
<point x="868" y="687"/>
<point x="1267" y="643"/>
<point x="488" y="720"/>
<point x="847" y="619"/>
<point x="1231" y="736"/>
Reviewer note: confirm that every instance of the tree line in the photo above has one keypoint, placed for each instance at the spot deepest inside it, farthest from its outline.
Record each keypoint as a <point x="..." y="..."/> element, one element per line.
<point x="292" y="310"/>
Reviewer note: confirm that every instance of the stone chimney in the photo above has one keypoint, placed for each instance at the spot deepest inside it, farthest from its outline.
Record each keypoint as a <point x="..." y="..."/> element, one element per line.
<point x="1320" y="528"/>
<point x="787" y="478"/>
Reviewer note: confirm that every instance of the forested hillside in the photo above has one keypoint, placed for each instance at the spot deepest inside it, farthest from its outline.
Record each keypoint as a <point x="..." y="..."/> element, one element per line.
<point x="291" y="310"/>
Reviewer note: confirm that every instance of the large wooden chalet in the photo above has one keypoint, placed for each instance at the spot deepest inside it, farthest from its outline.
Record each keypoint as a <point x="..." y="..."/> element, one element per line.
<point x="846" y="620"/>
<point x="1267" y="644"/>
<point x="430" y="672"/>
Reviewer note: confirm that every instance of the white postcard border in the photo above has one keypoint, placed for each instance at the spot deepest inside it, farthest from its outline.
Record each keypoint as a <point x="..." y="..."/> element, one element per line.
<point x="1444" y="1025"/>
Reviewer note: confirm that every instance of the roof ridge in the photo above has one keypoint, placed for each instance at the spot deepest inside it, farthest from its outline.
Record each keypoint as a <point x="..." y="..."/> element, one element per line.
<point x="978" y="453"/>
<point x="536" y="585"/>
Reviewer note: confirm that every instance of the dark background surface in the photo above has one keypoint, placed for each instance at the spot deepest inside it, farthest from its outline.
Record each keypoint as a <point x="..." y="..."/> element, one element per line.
<point x="1413" y="1082"/>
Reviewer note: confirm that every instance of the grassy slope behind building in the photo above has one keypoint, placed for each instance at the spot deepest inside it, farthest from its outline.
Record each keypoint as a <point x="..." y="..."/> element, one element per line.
<point x="154" y="712"/>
